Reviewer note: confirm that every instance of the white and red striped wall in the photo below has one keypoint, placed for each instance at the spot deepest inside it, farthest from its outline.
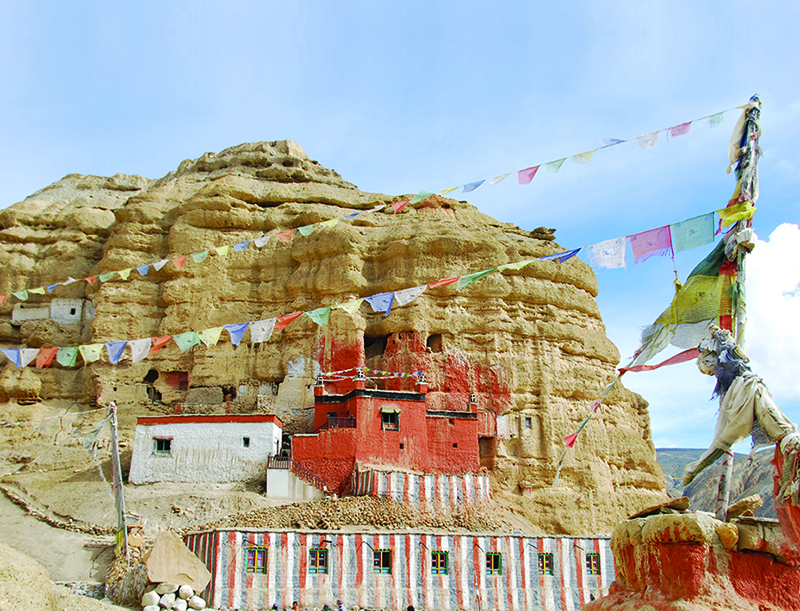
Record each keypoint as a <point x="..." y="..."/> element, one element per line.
<point x="350" y="577"/>
<point x="437" y="492"/>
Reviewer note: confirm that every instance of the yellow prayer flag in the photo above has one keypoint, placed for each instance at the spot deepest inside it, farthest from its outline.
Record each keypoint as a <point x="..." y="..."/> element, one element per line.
<point x="737" y="212"/>
<point x="516" y="265"/>
<point x="443" y="191"/>
<point x="351" y="307"/>
<point x="37" y="291"/>
<point x="222" y="250"/>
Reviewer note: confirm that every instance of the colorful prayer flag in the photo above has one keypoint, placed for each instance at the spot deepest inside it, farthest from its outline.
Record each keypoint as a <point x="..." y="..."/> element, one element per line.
<point x="143" y="269"/>
<point x="693" y="233"/>
<point x="90" y="279"/>
<point x="516" y="265"/>
<point x="37" y="291"/>
<point x="210" y="337"/>
<point x="446" y="191"/>
<point x="466" y="280"/>
<point x="106" y="277"/>
<point x="50" y="289"/>
<point x="22" y="295"/>
<point x="496" y="179"/>
<point x="583" y="157"/>
<point x="26" y="355"/>
<point x="199" y="257"/>
<point x="561" y="257"/>
<point x="680" y="130"/>
<point x="12" y="354"/>
<point x="351" y="307"/>
<point x="159" y="264"/>
<point x="115" y="350"/>
<point x="284" y="236"/>
<point x="186" y="341"/>
<point x="306" y="230"/>
<point x="261" y="330"/>
<point x="320" y="315"/>
<point x="125" y="273"/>
<point x="611" y="142"/>
<point x="398" y="206"/>
<point x="609" y="254"/>
<point x="139" y="349"/>
<point x="45" y="357"/>
<point x="282" y="321"/>
<point x="236" y="332"/>
<point x="555" y="166"/>
<point x="648" y="141"/>
<point x="261" y="241"/>
<point x="328" y="223"/>
<point x="652" y="243"/>
<point x="443" y="282"/>
<point x="382" y="302"/>
<point x="421" y="196"/>
<point x="240" y="246"/>
<point x="222" y="251"/>
<point x="468" y="188"/>
<point x="526" y="176"/>
<point x="179" y="262"/>
<point x="716" y="119"/>
<point x="737" y="212"/>
<point x="156" y="343"/>
<point x="90" y="352"/>
<point x="67" y="357"/>
<point x="3" y="299"/>
<point x="406" y="296"/>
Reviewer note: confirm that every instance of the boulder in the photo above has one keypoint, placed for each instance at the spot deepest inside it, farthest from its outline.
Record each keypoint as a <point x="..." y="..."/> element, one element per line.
<point x="171" y="561"/>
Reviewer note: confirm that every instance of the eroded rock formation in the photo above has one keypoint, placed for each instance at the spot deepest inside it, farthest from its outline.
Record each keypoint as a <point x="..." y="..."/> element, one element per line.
<point x="530" y="343"/>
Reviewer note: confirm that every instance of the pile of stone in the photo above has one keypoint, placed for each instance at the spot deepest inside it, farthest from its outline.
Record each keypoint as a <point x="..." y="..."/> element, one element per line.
<point x="172" y="596"/>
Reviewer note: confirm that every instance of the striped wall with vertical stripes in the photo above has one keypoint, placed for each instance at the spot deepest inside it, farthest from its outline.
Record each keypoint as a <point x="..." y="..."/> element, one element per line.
<point x="466" y="585"/>
<point x="438" y="492"/>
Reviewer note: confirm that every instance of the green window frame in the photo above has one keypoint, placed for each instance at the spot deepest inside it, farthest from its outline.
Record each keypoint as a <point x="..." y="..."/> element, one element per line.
<point x="318" y="561"/>
<point x="439" y="562"/>
<point x="494" y="563"/>
<point x="593" y="564"/>
<point x="546" y="564"/>
<point x="390" y="421"/>
<point x="163" y="446"/>
<point x="256" y="560"/>
<point x="382" y="561"/>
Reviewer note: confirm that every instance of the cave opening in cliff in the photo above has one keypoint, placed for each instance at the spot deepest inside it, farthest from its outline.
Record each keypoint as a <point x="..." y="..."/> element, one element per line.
<point x="487" y="448"/>
<point x="151" y="376"/>
<point x="434" y="342"/>
<point x="229" y="392"/>
<point x="375" y="345"/>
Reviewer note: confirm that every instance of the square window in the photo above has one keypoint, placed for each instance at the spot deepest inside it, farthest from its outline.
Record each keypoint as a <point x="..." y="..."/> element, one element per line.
<point x="390" y="421"/>
<point x="493" y="563"/>
<point x="256" y="560"/>
<point x="163" y="446"/>
<point x="545" y="564"/>
<point x="382" y="561"/>
<point x="318" y="561"/>
<point x="593" y="564"/>
<point x="246" y="442"/>
<point x="455" y="445"/>
<point x="439" y="563"/>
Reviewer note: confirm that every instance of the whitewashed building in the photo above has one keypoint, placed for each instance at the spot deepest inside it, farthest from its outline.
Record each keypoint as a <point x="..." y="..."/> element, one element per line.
<point x="213" y="448"/>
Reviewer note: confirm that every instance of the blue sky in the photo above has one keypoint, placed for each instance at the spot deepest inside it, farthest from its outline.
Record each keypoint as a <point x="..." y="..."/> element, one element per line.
<point x="399" y="97"/>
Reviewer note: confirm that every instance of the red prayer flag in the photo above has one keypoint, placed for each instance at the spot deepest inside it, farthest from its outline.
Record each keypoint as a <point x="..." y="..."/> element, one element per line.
<point x="180" y="262"/>
<point x="679" y="130"/>
<point x="3" y="299"/>
<point x="158" y="342"/>
<point x="45" y="357"/>
<point x="398" y="206"/>
<point x="655" y="242"/>
<point x="443" y="282"/>
<point x="282" y="321"/>
<point x="569" y="440"/>
<point x="729" y="268"/>
<point x="284" y="236"/>
<point x="90" y="279"/>
<point x="526" y="176"/>
<point x="686" y="355"/>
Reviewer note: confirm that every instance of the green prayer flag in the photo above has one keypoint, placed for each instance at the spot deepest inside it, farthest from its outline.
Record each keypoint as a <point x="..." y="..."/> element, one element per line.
<point x="186" y="340"/>
<point x="67" y="356"/>
<point x="306" y="230"/>
<point x="106" y="277"/>
<point x="692" y="233"/>
<point x="320" y="315"/>
<point x="199" y="257"/>
<point x="422" y="195"/>
<point x="464" y="281"/>
<point x="555" y="166"/>
<point x="716" y="119"/>
<point x="23" y="295"/>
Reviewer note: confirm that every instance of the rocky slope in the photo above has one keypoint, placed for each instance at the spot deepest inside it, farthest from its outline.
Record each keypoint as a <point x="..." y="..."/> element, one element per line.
<point x="530" y="343"/>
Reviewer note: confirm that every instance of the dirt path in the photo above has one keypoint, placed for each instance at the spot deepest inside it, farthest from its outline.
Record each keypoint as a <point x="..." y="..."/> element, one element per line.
<point x="61" y="552"/>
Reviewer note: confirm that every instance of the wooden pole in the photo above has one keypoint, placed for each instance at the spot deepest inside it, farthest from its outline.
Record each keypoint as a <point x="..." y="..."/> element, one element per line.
<point x="116" y="485"/>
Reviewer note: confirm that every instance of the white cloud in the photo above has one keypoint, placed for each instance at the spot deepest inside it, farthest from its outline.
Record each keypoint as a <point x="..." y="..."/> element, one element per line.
<point x="772" y="336"/>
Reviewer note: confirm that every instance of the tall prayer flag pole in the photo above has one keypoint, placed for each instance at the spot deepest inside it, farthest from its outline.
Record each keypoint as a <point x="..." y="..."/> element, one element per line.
<point x="116" y="485"/>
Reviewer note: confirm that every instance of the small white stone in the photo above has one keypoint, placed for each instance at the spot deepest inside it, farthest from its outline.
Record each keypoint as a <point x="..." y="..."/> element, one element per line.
<point x="179" y="605"/>
<point x="152" y="608"/>
<point x="150" y="599"/>
<point x="185" y="592"/>
<point x="167" y="600"/>
<point x="166" y="588"/>
<point x="195" y="602"/>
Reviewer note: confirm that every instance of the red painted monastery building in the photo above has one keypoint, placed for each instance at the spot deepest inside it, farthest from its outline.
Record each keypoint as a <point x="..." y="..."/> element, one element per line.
<point x="390" y="429"/>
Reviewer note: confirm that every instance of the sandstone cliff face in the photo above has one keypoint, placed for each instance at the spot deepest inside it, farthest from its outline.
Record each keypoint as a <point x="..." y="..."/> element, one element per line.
<point x="530" y="343"/>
